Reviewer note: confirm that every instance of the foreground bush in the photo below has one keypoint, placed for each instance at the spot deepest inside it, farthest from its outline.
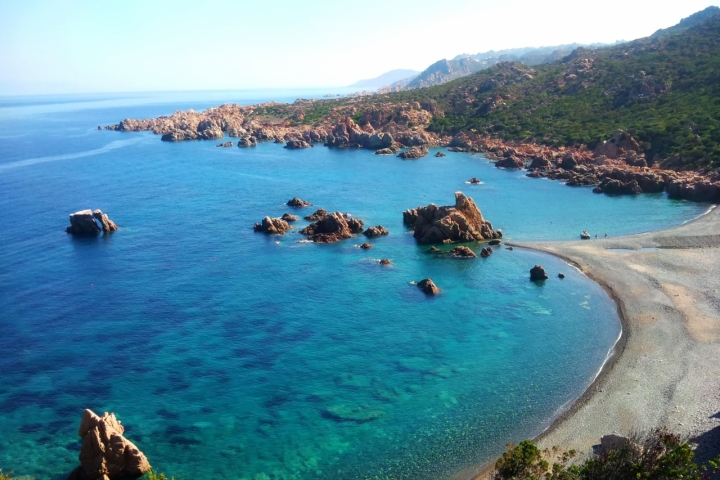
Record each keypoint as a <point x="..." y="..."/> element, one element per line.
<point x="658" y="456"/>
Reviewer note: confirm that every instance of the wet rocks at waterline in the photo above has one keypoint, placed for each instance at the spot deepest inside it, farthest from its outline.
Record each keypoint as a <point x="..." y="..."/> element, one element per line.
<point x="462" y="222"/>
<point x="414" y="153"/>
<point x="88" y="222"/>
<point x="297" y="202"/>
<point x="105" y="452"/>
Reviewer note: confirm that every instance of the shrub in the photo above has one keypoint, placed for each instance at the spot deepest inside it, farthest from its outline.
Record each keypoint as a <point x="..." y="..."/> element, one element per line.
<point x="658" y="456"/>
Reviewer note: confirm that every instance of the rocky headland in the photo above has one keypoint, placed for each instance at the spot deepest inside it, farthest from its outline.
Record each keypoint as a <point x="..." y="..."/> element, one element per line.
<point x="462" y="222"/>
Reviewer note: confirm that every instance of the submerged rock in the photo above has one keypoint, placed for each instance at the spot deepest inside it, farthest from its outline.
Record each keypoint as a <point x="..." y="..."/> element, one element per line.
<point x="225" y="144"/>
<point x="87" y="222"/>
<point x="105" y="452"/>
<point x="272" y="225"/>
<point x="560" y="275"/>
<point x="428" y="287"/>
<point x="414" y="152"/>
<point x="462" y="223"/>
<point x="434" y="249"/>
<point x="296" y="202"/>
<point x="332" y="228"/>
<point x="538" y="273"/>
<point x="376" y="231"/>
<point x="348" y="413"/>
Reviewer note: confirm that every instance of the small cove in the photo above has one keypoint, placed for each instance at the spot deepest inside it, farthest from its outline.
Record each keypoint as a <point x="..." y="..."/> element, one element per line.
<point x="265" y="357"/>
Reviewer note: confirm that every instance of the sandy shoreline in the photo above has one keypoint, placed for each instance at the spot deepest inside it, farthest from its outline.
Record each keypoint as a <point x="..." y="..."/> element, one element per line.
<point x="665" y="368"/>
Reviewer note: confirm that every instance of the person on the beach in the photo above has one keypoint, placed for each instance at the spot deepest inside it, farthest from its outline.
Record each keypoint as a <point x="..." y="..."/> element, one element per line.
<point x="606" y="235"/>
<point x="596" y="236"/>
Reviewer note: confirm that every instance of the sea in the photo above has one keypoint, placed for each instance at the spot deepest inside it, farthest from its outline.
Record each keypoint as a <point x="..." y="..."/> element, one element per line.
<point x="231" y="354"/>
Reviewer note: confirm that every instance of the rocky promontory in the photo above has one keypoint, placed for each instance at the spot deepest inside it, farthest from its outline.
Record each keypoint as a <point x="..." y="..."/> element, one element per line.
<point x="88" y="222"/>
<point x="333" y="227"/>
<point x="462" y="222"/>
<point x="105" y="453"/>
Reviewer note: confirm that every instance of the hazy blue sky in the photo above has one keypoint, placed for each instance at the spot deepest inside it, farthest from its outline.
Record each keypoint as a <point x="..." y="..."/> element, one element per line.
<point x="58" y="46"/>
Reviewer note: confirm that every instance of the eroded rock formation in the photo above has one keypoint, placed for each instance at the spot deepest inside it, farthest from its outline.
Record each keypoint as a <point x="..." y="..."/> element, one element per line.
<point x="332" y="228"/>
<point x="289" y="218"/>
<point x="317" y="215"/>
<point x="105" y="452"/>
<point x="88" y="222"/>
<point x="462" y="222"/>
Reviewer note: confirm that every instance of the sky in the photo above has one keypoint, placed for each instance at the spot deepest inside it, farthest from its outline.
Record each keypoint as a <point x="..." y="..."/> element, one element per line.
<point x="78" y="46"/>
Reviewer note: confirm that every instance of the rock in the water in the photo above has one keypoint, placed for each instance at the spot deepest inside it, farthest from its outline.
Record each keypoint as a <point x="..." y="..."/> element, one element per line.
<point x="462" y="223"/>
<point x="538" y="273"/>
<point x="357" y="414"/>
<point x="386" y="151"/>
<point x="107" y="224"/>
<point x="365" y="246"/>
<point x="289" y="218"/>
<point x="486" y="252"/>
<point x="87" y="222"/>
<point x="439" y="154"/>
<point x="510" y="162"/>
<point x="561" y="275"/>
<point x="434" y="249"/>
<point x="247" y="142"/>
<point x="297" y="144"/>
<point x="319" y="214"/>
<point x="414" y="152"/>
<point x="474" y="181"/>
<point x="296" y="202"/>
<point x="428" y="287"/>
<point x="495" y="242"/>
<point x="384" y="261"/>
<point x="105" y="452"/>
<point x="508" y="248"/>
<point x="333" y="227"/>
<point x="225" y="144"/>
<point x="272" y="225"/>
<point x="376" y="231"/>
<point x="462" y="252"/>
<point x="99" y="127"/>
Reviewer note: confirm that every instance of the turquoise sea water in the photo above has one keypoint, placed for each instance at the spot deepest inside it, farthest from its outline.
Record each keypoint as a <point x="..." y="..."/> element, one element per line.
<point x="230" y="354"/>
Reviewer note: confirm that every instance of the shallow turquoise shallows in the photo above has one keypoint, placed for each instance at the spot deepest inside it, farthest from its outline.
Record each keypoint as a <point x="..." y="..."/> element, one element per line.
<point x="230" y="354"/>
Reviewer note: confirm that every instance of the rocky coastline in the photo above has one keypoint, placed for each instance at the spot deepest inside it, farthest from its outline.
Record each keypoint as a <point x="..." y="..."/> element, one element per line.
<point x="616" y="167"/>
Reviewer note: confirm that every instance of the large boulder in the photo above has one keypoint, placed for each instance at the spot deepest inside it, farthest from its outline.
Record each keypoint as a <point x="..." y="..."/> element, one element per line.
<point x="511" y="162"/>
<point x="460" y="223"/>
<point x="272" y="225"/>
<point x="428" y="287"/>
<point x="538" y="273"/>
<point x="297" y="144"/>
<point x="332" y="228"/>
<point x="619" y="144"/>
<point x="289" y="218"/>
<point x="105" y="452"/>
<point x="247" y="142"/>
<point x="414" y="153"/>
<point x="87" y="222"/>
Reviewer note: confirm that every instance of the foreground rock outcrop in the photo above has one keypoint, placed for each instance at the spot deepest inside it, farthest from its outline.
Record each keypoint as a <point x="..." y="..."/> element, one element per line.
<point x="462" y="222"/>
<point x="276" y="226"/>
<point x="105" y="452"/>
<point x="88" y="222"/>
<point x="332" y="228"/>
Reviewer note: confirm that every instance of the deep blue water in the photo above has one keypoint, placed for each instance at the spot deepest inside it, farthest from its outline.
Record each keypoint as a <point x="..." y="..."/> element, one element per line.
<point x="225" y="352"/>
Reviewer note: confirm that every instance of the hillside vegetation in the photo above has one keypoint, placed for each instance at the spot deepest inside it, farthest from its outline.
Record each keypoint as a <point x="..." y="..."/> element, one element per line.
<point x="664" y="90"/>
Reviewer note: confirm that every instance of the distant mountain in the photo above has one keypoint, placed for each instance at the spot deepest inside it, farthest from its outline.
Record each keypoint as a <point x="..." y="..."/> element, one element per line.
<point x="463" y="65"/>
<point x="386" y="79"/>
<point x="692" y="20"/>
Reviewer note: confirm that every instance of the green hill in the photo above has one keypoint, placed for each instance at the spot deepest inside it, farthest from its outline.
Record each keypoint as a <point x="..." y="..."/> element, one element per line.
<point x="664" y="90"/>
